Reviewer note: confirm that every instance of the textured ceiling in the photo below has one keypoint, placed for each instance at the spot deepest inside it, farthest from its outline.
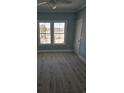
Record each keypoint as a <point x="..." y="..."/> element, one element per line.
<point x="73" y="7"/>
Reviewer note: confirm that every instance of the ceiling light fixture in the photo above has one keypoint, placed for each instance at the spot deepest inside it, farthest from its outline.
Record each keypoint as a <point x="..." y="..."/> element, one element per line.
<point x="52" y="3"/>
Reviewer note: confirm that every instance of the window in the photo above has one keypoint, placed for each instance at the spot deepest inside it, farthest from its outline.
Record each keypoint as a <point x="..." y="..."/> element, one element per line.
<point x="45" y="33"/>
<point x="52" y="32"/>
<point x="59" y="33"/>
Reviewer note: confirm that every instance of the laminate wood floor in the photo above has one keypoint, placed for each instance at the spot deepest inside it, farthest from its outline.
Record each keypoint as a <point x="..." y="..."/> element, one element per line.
<point x="60" y="73"/>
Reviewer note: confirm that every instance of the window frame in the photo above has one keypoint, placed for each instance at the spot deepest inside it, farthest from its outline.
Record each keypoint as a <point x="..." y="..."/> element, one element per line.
<point x="45" y="33"/>
<point x="52" y="31"/>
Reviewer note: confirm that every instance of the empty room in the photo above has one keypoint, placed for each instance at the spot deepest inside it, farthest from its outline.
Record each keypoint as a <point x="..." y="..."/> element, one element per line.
<point x="61" y="46"/>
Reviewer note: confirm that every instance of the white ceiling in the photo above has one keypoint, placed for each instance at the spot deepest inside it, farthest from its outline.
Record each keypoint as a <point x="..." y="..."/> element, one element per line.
<point x="73" y="7"/>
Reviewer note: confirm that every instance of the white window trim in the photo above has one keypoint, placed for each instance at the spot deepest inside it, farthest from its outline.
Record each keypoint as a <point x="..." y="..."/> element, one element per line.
<point x="52" y="27"/>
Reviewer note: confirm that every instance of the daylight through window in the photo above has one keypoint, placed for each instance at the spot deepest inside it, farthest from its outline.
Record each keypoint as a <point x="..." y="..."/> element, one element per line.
<point x="45" y="33"/>
<point x="55" y="37"/>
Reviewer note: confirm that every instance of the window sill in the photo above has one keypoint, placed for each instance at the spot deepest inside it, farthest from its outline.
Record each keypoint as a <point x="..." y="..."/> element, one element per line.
<point x="52" y="44"/>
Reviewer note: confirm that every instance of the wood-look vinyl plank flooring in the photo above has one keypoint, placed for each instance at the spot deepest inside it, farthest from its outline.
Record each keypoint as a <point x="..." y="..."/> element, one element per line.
<point x="60" y="73"/>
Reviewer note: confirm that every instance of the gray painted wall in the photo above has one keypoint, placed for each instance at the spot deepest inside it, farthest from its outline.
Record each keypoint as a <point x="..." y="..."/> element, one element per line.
<point x="80" y="39"/>
<point x="70" y="34"/>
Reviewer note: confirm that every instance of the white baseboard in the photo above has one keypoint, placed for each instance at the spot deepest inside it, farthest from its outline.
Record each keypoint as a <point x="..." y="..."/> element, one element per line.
<point x="83" y="59"/>
<point x="55" y="51"/>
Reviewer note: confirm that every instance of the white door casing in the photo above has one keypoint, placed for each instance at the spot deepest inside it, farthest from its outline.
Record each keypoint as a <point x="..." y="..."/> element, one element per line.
<point x="78" y="35"/>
